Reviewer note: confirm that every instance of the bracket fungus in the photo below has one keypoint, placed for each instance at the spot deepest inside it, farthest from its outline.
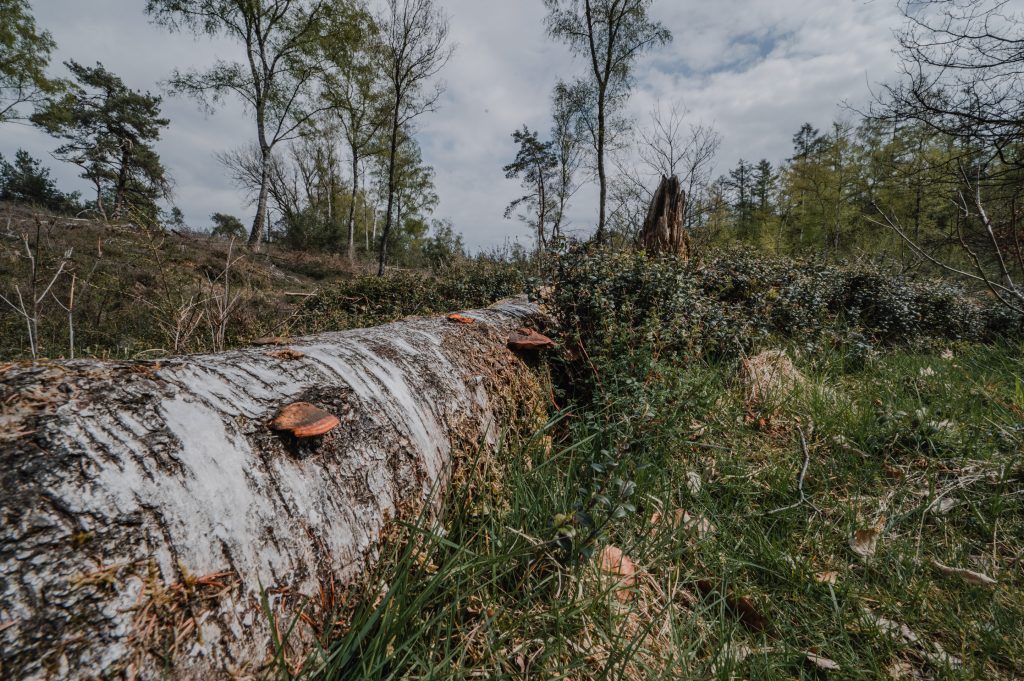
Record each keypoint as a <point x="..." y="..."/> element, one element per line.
<point x="529" y="340"/>
<point x="303" y="420"/>
<point x="460" y="318"/>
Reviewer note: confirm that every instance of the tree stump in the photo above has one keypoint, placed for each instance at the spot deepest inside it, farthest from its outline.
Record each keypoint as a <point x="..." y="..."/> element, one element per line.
<point x="663" y="231"/>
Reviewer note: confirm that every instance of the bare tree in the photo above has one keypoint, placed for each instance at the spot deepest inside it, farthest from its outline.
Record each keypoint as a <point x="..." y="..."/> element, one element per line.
<point x="609" y="35"/>
<point x="670" y="146"/>
<point x="413" y="49"/>
<point x="995" y="251"/>
<point x="28" y="303"/>
<point x="962" y="62"/>
<point x="673" y="147"/>
<point x="962" y="66"/>
<point x="275" y="80"/>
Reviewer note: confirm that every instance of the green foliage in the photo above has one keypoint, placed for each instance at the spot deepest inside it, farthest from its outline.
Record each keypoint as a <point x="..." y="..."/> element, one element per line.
<point x="110" y="130"/>
<point x="227" y="226"/>
<point x="490" y="573"/>
<point x="626" y="304"/>
<point x="536" y="163"/>
<point x="24" y="56"/>
<point x="27" y="181"/>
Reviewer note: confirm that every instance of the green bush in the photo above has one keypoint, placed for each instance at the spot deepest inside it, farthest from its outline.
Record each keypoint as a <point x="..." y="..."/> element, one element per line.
<point x="623" y="303"/>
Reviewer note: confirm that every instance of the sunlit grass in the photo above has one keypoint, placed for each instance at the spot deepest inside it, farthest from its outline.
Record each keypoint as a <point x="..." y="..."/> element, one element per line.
<point x="923" y="447"/>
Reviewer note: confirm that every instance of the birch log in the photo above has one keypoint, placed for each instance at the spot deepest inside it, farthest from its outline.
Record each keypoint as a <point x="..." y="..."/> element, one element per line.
<point x="146" y="506"/>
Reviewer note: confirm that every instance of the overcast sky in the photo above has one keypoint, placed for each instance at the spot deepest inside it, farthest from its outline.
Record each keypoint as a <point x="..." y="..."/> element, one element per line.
<point x="755" y="69"/>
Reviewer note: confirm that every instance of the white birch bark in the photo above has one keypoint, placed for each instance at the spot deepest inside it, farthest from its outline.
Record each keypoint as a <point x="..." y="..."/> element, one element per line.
<point x="144" y="504"/>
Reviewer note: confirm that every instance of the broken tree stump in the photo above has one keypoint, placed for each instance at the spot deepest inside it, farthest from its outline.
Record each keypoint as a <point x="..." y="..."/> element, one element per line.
<point x="146" y="507"/>
<point x="664" y="231"/>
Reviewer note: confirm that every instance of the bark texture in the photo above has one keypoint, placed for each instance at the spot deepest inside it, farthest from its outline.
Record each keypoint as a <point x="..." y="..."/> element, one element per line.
<point x="664" y="231"/>
<point x="146" y="506"/>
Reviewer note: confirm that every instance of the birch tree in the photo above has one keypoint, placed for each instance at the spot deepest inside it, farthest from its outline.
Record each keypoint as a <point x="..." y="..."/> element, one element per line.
<point x="275" y="80"/>
<point x="609" y="35"/>
<point x="413" y="49"/>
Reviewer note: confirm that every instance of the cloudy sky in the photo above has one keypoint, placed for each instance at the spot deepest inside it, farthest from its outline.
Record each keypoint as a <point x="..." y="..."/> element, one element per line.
<point x="755" y="69"/>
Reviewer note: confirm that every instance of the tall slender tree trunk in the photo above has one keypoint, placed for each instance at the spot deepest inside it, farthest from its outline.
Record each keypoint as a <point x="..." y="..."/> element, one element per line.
<point x="389" y="215"/>
<point x="352" y="210"/>
<point x="122" y="183"/>
<point x="259" y="222"/>
<point x="542" y="215"/>
<point x="601" y="173"/>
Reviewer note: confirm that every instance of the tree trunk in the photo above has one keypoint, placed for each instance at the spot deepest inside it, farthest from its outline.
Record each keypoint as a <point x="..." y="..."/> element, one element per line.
<point x="259" y="222"/>
<point x="352" y="210"/>
<point x="392" y="157"/>
<point x="663" y="230"/>
<point x="122" y="183"/>
<point x="601" y="172"/>
<point x="146" y="506"/>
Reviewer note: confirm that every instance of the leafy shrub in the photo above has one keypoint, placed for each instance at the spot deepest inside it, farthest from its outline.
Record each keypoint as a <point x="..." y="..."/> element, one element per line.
<point x="626" y="304"/>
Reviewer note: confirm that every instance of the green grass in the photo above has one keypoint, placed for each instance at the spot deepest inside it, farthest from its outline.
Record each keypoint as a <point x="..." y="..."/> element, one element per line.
<point x="503" y="584"/>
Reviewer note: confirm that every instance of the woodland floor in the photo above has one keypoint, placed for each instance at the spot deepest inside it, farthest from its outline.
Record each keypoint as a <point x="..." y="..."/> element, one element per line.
<point x="897" y="554"/>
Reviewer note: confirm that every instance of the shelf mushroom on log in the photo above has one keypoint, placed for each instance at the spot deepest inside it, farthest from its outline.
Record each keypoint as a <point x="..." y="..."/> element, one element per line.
<point x="146" y="508"/>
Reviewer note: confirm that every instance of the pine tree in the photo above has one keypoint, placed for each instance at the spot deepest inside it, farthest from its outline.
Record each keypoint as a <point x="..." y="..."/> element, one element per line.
<point x="109" y="131"/>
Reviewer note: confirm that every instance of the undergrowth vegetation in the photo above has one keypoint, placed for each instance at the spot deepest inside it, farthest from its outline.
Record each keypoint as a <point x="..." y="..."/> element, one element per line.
<point x="864" y="522"/>
<point x="367" y="301"/>
<point x="79" y="288"/>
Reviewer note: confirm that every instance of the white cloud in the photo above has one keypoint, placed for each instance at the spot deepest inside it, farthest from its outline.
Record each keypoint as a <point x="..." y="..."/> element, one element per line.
<point x="755" y="69"/>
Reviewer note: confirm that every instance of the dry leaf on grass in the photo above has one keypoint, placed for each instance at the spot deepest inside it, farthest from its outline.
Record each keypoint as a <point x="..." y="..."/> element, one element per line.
<point x="969" y="576"/>
<point x="939" y="657"/>
<point x="613" y="562"/>
<point x="826" y="577"/>
<point x="822" y="663"/>
<point x="865" y="542"/>
<point x="699" y="526"/>
<point x="942" y="506"/>
<point x="902" y="670"/>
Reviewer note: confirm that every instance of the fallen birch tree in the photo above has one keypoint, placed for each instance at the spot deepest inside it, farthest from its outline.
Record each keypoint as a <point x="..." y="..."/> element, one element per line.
<point x="147" y="507"/>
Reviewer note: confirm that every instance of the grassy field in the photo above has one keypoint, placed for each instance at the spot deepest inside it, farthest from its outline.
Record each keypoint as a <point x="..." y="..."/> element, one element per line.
<point x="867" y="524"/>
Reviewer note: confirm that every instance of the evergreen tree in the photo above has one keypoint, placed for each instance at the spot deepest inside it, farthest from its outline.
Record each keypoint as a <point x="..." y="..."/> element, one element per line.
<point x="109" y="131"/>
<point x="24" y="55"/>
<point x="28" y="181"/>
<point x="536" y="164"/>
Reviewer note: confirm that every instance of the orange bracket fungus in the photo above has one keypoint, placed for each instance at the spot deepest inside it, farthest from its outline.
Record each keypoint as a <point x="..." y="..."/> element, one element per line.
<point x="460" y="318"/>
<point x="303" y="420"/>
<point x="527" y="340"/>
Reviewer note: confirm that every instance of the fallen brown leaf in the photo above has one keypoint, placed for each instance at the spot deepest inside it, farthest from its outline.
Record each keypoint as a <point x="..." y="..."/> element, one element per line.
<point x="969" y="576"/>
<point x="612" y="561"/>
<point x="826" y="577"/>
<point x="865" y="542"/>
<point x="742" y="607"/>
